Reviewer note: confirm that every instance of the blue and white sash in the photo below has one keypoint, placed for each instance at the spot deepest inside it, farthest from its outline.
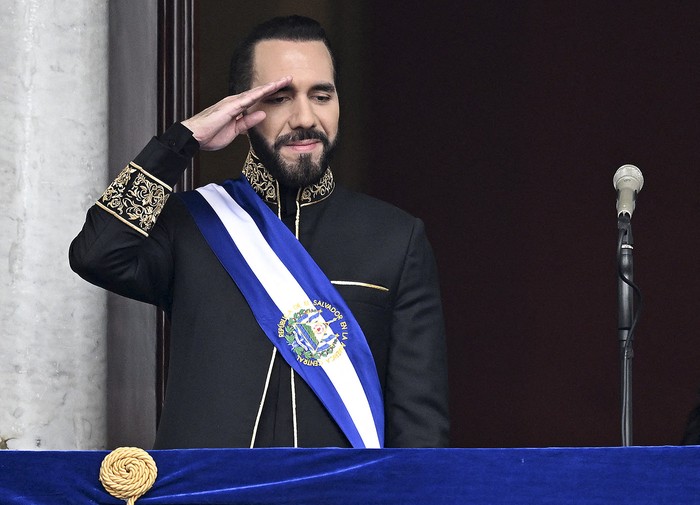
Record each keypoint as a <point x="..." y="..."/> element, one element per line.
<point x="295" y="304"/>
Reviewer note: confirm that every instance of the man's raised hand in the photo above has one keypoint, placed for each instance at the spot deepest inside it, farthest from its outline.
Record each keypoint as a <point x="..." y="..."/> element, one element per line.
<point x="216" y="126"/>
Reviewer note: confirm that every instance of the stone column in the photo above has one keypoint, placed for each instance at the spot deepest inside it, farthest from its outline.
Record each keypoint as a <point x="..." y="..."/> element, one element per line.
<point x="53" y="166"/>
<point x="131" y="328"/>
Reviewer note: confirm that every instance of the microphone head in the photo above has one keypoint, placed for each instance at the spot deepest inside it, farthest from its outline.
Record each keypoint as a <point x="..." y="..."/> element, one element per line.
<point x="628" y="181"/>
<point x="628" y="177"/>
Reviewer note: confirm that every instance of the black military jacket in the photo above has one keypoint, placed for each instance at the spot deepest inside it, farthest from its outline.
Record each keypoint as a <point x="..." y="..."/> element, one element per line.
<point x="140" y="241"/>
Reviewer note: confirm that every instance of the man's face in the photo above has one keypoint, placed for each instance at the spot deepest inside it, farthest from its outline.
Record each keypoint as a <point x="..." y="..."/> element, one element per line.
<point x="301" y="124"/>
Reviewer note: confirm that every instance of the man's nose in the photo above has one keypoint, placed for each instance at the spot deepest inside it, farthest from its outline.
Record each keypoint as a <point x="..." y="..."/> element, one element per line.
<point x="303" y="115"/>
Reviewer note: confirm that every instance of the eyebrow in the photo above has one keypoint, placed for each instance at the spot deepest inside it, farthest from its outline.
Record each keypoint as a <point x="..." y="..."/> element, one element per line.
<point x="324" y="86"/>
<point x="328" y="87"/>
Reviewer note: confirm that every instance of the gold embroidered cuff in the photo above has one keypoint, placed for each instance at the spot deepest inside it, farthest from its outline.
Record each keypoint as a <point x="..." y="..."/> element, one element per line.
<point x="136" y="198"/>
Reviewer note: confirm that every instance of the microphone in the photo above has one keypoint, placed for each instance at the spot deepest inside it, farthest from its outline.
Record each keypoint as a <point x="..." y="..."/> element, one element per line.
<point x="628" y="181"/>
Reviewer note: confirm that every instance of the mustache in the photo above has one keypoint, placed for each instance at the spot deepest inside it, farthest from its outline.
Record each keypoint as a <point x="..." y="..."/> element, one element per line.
<point x="299" y="135"/>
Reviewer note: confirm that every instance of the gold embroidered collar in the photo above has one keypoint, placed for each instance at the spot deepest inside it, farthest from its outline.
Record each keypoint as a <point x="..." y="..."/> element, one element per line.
<point x="268" y="188"/>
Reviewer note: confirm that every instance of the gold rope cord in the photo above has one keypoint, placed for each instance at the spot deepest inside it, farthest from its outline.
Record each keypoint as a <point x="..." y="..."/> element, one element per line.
<point x="127" y="473"/>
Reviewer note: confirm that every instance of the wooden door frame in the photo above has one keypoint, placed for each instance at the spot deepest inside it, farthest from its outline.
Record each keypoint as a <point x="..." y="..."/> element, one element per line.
<point x="176" y="95"/>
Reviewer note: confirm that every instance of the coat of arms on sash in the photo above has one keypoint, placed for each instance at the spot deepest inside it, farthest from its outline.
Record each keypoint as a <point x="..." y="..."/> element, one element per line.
<point x="309" y="333"/>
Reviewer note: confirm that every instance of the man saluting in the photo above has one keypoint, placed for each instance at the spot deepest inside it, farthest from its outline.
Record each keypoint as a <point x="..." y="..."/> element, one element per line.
<point x="302" y="314"/>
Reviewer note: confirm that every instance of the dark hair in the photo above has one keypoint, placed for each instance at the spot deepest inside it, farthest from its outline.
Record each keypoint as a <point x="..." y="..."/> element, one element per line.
<point x="293" y="28"/>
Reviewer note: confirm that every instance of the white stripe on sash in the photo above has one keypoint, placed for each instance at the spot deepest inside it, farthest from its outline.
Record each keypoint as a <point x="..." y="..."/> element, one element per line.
<point x="286" y="293"/>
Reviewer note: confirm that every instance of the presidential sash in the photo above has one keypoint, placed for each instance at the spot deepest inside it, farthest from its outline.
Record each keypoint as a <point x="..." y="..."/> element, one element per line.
<point x="295" y="304"/>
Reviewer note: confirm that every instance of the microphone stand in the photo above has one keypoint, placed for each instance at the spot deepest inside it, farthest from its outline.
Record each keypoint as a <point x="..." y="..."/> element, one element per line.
<point x="625" y="321"/>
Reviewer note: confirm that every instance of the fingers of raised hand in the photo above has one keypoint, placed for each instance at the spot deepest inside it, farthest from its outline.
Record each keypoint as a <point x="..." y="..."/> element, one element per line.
<point x="247" y="121"/>
<point x="244" y="100"/>
<point x="227" y="118"/>
<point x="225" y="135"/>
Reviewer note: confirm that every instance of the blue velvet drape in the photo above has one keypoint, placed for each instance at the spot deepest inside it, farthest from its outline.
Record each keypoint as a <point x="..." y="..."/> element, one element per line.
<point x="634" y="475"/>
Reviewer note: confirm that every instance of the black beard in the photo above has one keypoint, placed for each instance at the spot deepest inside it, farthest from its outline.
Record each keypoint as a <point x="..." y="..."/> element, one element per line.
<point x="295" y="175"/>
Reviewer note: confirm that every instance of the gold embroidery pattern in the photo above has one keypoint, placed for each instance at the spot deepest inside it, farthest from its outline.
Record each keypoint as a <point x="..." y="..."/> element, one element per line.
<point x="265" y="185"/>
<point x="136" y="198"/>
<point x="320" y="190"/>
<point x="259" y="178"/>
